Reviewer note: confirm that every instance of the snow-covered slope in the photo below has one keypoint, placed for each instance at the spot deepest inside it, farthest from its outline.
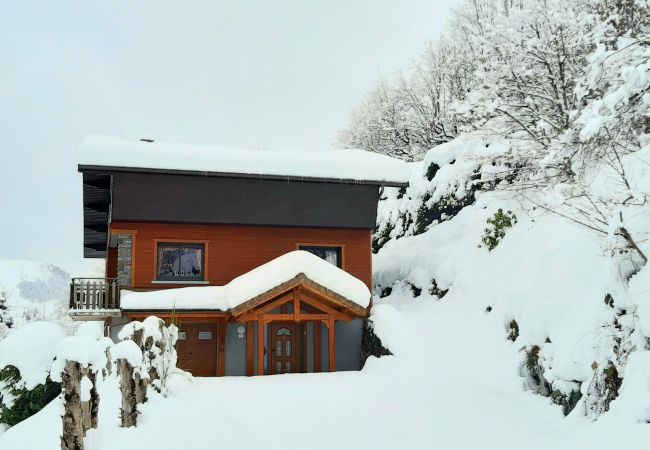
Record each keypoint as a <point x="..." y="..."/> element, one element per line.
<point x="555" y="287"/>
<point x="33" y="291"/>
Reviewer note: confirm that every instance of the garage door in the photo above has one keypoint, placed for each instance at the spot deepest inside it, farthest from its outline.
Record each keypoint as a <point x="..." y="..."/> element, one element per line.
<point x="197" y="349"/>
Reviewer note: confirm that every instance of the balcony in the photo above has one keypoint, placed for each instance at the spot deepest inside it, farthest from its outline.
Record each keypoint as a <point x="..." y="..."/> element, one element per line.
<point x="94" y="298"/>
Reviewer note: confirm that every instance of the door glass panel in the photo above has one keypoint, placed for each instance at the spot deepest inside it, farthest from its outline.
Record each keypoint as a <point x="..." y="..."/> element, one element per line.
<point x="278" y="367"/>
<point x="278" y="351"/>
<point x="288" y="366"/>
<point x="288" y="352"/>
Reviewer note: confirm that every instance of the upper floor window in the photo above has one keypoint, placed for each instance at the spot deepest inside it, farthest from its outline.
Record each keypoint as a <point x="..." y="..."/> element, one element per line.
<point x="180" y="262"/>
<point x="330" y="254"/>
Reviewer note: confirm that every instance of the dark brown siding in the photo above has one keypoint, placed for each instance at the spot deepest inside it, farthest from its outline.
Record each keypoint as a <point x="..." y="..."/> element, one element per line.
<point x="111" y="263"/>
<point x="241" y="201"/>
<point x="235" y="249"/>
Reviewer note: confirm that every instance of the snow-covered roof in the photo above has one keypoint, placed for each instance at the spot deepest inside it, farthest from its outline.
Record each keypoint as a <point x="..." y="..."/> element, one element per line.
<point x="335" y="164"/>
<point x="251" y="284"/>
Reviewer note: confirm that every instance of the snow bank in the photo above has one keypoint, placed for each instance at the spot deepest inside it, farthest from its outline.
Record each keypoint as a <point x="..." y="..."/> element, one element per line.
<point x="253" y="283"/>
<point x="563" y="284"/>
<point x="31" y="349"/>
<point x="338" y="164"/>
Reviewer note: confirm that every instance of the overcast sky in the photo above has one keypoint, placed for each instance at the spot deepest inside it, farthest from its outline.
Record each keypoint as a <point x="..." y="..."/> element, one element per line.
<point x="260" y="74"/>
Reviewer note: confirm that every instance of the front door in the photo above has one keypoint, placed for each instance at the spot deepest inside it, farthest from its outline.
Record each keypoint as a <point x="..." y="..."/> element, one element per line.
<point x="282" y="342"/>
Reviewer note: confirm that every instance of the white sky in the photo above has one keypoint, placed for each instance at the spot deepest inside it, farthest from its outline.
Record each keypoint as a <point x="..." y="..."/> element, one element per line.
<point x="259" y="74"/>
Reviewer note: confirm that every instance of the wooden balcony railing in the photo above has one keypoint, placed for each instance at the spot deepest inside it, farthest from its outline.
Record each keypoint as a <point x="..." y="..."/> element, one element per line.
<point x="92" y="294"/>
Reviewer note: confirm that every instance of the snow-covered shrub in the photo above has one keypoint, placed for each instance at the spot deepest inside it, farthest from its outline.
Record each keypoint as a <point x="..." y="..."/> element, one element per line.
<point x="157" y="342"/>
<point x="18" y="403"/>
<point x="26" y="356"/>
<point x="5" y="318"/>
<point x="497" y="228"/>
<point x="603" y="389"/>
<point x="371" y="343"/>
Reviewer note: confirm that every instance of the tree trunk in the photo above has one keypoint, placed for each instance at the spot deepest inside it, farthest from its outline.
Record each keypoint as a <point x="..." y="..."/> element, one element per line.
<point x="129" y="411"/>
<point x="73" y="427"/>
<point x="134" y="392"/>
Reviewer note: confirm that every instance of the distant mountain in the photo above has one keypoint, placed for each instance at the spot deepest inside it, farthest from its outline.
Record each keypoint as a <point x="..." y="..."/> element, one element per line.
<point x="31" y="290"/>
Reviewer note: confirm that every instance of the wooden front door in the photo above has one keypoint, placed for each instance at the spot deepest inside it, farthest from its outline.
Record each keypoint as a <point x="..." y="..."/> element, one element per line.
<point x="282" y="341"/>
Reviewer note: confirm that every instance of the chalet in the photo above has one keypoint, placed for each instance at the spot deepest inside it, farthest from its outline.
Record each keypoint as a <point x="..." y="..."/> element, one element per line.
<point x="263" y="258"/>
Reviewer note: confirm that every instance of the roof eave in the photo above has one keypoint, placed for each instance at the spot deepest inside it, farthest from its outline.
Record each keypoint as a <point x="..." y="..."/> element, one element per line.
<point x="111" y="169"/>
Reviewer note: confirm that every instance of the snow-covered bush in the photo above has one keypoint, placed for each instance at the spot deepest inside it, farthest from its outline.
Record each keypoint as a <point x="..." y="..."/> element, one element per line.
<point x="157" y="342"/>
<point x="26" y="356"/>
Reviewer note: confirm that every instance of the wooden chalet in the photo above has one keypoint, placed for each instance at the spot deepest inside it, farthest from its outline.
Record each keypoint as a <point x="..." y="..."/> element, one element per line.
<point x="177" y="222"/>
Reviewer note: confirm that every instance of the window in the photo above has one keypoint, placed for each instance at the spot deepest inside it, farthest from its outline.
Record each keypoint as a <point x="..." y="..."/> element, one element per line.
<point x="330" y="254"/>
<point x="180" y="262"/>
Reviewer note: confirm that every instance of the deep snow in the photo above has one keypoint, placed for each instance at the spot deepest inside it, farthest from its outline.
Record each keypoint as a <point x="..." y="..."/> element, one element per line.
<point x="444" y="389"/>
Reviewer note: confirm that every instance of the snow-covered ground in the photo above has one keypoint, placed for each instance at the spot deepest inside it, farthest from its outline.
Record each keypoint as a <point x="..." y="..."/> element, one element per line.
<point x="447" y="387"/>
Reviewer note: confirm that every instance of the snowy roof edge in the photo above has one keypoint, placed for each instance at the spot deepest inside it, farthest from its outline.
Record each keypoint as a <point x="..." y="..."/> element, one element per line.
<point x="349" y="166"/>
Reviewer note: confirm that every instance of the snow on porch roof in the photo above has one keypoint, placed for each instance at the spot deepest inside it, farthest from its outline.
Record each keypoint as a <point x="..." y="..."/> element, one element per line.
<point x="323" y="165"/>
<point x="252" y="284"/>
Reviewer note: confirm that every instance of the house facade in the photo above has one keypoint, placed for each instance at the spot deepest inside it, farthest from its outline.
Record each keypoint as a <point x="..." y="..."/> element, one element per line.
<point x="263" y="259"/>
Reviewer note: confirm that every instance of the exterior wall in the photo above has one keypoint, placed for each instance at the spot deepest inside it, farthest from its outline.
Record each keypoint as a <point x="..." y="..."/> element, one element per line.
<point x="348" y="345"/>
<point x="232" y="250"/>
<point x="235" y="351"/>
<point x="173" y="198"/>
<point x="111" y="263"/>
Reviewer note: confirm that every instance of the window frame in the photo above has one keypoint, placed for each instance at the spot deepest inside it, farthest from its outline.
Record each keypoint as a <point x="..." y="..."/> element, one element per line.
<point x="181" y="280"/>
<point x="340" y="248"/>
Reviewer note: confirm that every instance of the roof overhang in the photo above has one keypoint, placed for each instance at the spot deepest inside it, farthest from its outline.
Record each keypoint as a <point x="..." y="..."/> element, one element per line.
<point x="108" y="169"/>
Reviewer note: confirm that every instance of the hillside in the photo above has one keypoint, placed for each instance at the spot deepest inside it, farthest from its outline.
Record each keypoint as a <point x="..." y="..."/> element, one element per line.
<point x="33" y="291"/>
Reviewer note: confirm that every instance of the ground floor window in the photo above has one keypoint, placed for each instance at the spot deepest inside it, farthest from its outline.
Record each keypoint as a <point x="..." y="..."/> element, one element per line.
<point x="330" y="254"/>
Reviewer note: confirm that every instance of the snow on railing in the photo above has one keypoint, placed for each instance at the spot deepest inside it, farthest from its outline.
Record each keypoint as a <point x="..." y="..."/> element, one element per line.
<point x="94" y="294"/>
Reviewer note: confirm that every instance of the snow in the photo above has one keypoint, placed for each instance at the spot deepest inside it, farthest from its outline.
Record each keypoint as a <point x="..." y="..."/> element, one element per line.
<point x="253" y="283"/>
<point x="85" y="350"/>
<point x="128" y="350"/>
<point x="85" y="386"/>
<point x="337" y="164"/>
<point x="94" y="329"/>
<point x="461" y="392"/>
<point x="31" y="349"/>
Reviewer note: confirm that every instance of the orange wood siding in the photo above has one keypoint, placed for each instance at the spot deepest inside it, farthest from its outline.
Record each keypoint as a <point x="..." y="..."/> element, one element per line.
<point x="233" y="250"/>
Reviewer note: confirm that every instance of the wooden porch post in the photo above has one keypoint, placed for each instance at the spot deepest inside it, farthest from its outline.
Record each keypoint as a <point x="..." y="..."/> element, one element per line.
<point x="260" y="346"/>
<point x="332" y="345"/>
<point x="317" y="355"/>
<point x="250" y="348"/>
<point x="221" y="356"/>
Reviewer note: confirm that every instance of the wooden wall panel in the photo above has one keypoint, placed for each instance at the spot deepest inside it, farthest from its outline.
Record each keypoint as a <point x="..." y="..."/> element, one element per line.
<point x="198" y="356"/>
<point x="234" y="250"/>
<point x="111" y="263"/>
